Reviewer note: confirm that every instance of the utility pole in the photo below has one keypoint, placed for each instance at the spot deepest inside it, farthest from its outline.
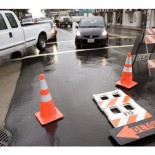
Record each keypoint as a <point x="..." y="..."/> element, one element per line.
<point x="87" y="12"/>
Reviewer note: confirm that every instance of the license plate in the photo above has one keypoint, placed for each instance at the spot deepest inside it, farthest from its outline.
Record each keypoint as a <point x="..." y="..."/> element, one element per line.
<point x="90" y="40"/>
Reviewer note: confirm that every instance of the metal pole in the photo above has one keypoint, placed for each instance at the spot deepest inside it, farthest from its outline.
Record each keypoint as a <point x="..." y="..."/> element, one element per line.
<point x="148" y="58"/>
<point x="140" y="43"/>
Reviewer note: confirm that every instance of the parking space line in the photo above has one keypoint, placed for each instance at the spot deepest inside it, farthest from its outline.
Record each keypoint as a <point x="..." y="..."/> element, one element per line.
<point x="72" y="51"/>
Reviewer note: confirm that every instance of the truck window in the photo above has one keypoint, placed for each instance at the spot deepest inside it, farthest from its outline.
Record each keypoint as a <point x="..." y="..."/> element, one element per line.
<point x="11" y="20"/>
<point x="2" y="23"/>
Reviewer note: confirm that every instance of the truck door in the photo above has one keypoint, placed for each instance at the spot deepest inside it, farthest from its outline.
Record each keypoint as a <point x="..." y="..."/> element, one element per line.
<point x="17" y="32"/>
<point x="5" y="39"/>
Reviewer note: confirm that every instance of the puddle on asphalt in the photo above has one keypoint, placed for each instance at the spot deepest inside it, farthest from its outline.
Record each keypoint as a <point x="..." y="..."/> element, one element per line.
<point x="51" y="133"/>
<point x="92" y="57"/>
<point x="121" y="41"/>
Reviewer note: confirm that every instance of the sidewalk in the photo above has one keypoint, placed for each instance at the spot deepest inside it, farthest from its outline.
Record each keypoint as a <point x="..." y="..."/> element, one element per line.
<point x="8" y="78"/>
<point x="127" y="27"/>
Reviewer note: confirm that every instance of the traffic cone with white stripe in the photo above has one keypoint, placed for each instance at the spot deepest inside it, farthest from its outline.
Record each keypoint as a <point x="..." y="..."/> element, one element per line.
<point x="48" y="112"/>
<point x="126" y="78"/>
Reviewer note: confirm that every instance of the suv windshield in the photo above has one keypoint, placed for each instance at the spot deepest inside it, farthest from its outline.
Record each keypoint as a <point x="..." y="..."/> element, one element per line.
<point x="92" y="22"/>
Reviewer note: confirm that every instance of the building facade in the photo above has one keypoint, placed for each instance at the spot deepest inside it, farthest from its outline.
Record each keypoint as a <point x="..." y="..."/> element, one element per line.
<point x="128" y="17"/>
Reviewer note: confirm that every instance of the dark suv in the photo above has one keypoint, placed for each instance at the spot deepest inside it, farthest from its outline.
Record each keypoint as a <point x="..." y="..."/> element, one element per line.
<point x="92" y="31"/>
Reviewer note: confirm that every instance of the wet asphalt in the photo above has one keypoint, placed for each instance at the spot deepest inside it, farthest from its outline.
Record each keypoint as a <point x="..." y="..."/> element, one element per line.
<point x="73" y="77"/>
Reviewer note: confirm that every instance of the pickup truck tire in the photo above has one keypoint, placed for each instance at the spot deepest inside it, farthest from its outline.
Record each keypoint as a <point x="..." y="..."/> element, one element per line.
<point x="55" y="39"/>
<point x="59" y="25"/>
<point x="71" y="25"/>
<point x="42" y="41"/>
<point x="78" y="46"/>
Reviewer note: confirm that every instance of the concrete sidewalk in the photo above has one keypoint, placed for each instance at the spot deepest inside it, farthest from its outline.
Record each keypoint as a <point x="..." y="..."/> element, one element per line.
<point x="9" y="74"/>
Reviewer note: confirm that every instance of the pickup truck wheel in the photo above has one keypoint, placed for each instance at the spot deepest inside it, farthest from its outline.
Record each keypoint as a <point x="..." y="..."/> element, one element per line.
<point x="55" y="39"/>
<point x="42" y="41"/>
<point x="71" y="25"/>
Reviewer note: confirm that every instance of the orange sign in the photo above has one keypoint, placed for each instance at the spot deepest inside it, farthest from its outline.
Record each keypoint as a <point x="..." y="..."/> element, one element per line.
<point x="134" y="131"/>
<point x="127" y="132"/>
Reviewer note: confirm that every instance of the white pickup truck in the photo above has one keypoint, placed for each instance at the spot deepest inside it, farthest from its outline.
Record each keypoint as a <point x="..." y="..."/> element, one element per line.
<point x="15" y="38"/>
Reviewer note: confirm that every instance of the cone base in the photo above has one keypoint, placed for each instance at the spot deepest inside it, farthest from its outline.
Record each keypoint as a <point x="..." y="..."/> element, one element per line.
<point x="53" y="118"/>
<point x="132" y="84"/>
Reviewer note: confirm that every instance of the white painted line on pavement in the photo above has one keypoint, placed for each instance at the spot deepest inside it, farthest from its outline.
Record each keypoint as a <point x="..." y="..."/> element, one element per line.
<point x="71" y="51"/>
<point x="60" y="42"/>
<point x="117" y="35"/>
<point x="123" y="37"/>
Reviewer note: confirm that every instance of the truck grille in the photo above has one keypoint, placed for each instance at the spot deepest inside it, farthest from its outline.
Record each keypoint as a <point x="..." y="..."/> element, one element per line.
<point x="66" y="19"/>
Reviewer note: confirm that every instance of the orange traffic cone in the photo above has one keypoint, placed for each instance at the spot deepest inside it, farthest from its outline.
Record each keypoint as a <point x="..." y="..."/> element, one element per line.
<point x="126" y="79"/>
<point x="48" y="112"/>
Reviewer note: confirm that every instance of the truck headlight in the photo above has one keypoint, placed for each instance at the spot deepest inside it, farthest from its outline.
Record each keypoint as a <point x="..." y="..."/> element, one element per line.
<point x="78" y="33"/>
<point x="104" y="33"/>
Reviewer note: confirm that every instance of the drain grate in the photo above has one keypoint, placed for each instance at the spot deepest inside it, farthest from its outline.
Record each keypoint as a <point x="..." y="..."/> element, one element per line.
<point x="5" y="137"/>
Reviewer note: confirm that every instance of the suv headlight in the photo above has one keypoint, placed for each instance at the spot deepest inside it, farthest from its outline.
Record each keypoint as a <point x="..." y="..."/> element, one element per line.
<point x="78" y="33"/>
<point x="104" y="33"/>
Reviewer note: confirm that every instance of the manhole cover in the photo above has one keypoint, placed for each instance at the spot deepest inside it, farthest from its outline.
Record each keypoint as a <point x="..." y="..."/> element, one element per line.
<point x="5" y="137"/>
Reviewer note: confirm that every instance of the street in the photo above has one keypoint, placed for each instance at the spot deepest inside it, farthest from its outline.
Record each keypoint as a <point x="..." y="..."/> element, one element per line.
<point x="73" y="76"/>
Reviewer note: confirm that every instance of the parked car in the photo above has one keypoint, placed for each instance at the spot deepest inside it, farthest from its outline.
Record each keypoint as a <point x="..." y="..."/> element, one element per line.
<point x="15" y="37"/>
<point x="91" y="31"/>
<point x="27" y="21"/>
<point x="64" y="20"/>
<point x="53" y="28"/>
